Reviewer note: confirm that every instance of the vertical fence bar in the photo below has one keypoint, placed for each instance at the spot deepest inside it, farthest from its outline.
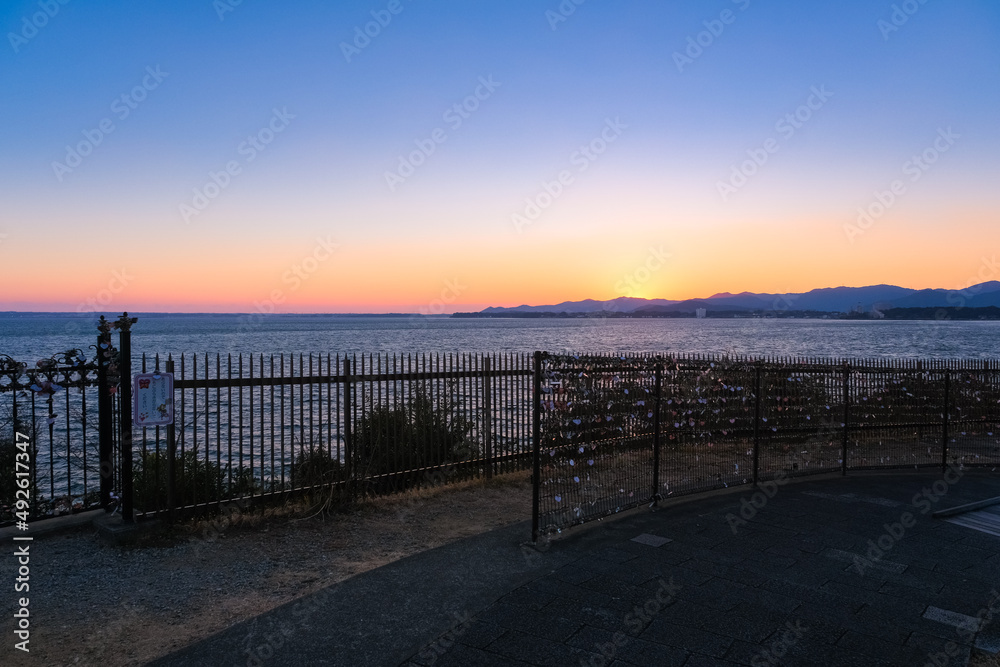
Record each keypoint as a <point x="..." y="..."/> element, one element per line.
<point x="171" y="453"/>
<point x="945" y="419"/>
<point x="488" y="415"/>
<point x="105" y="428"/>
<point x="756" y="420"/>
<point x="536" y="427"/>
<point x="125" y="412"/>
<point x="847" y="416"/>
<point x="348" y="425"/>
<point x="657" y="396"/>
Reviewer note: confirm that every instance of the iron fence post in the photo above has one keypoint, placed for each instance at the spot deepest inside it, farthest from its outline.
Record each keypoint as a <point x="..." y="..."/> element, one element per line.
<point x="488" y="416"/>
<point x="756" y="422"/>
<point x="171" y="453"/>
<point x="945" y="419"/>
<point x="348" y="425"/>
<point x="124" y="324"/>
<point x="105" y="427"/>
<point x="657" y="393"/>
<point x="847" y="417"/>
<point x="536" y="427"/>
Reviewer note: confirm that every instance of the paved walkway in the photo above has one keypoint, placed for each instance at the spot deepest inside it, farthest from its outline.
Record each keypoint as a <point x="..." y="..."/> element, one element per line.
<point x="834" y="571"/>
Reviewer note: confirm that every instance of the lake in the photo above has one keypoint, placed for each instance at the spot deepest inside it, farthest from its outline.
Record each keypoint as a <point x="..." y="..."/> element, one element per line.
<point x="30" y="336"/>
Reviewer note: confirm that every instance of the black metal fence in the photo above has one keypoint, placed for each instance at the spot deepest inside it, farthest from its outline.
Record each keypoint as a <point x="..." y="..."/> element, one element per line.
<point x="63" y="412"/>
<point x="613" y="432"/>
<point x="254" y="426"/>
<point x="601" y="433"/>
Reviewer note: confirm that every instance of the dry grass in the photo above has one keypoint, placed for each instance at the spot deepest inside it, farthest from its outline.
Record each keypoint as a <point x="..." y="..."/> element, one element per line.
<point x="143" y="602"/>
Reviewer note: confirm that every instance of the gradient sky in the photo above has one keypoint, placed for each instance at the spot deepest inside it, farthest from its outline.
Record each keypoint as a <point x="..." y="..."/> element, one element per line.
<point x="311" y="223"/>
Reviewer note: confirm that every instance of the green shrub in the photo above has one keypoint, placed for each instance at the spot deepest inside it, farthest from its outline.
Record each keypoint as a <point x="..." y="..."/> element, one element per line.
<point x="315" y="467"/>
<point x="196" y="481"/>
<point x="417" y="435"/>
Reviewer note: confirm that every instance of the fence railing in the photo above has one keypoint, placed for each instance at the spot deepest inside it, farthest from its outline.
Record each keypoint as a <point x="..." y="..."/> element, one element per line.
<point x="49" y="406"/>
<point x="613" y="432"/>
<point x="253" y="426"/>
<point x="601" y="433"/>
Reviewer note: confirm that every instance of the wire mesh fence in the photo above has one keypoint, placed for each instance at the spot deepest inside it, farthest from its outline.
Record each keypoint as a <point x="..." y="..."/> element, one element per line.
<point x="617" y="431"/>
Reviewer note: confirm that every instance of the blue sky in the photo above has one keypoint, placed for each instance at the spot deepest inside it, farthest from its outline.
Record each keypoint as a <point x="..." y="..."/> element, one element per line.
<point x="227" y="70"/>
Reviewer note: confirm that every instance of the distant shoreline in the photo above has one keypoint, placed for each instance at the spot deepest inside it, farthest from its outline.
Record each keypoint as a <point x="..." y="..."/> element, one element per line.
<point x="987" y="313"/>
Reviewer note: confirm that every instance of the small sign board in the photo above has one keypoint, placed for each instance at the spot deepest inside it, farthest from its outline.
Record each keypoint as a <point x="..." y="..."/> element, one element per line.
<point x="153" y="399"/>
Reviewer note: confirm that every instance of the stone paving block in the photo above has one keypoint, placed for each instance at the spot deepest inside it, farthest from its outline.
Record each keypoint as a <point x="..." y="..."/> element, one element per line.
<point x="895" y="606"/>
<point x="651" y="540"/>
<point x="561" y="589"/>
<point x="661" y="631"/>
<point x="695" y="574"/>
<point x="931" y="646"/>
<point x="537" y="651"/>
<point x="813" y="596"/>
<point x="614" y="554"/>
<point x="980" y="540"/>
<point x="874" y="623"/>
<point x="746" y="574"/>
<point x="623" y="645"/>
<point x="463" y="656"/>
<point x="573" y="574"/>
<point x="690" y="614"/>
<point x="588" y="614"/>
<point x="880" y="649"/>
<point x="747" y="623"/>
<point x="701" y="660"/>
<point x="756" y="598"/>
<point x="536" y="623"/>
<point x="480" y="634"/>
<point x="717" y="593"/>
<point x="822" y="628"/>
<point x="530" y="599"/>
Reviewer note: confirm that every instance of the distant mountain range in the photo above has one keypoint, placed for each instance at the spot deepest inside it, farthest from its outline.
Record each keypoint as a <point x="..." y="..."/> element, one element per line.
<point x="827" y="300"/>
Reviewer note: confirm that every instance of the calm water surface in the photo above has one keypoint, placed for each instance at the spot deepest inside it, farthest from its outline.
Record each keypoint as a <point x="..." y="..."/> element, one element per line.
<point x="30" y="336"/>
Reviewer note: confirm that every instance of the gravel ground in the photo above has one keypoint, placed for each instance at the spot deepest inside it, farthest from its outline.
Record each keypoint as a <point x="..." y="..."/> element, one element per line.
<point x="96" y="604"/>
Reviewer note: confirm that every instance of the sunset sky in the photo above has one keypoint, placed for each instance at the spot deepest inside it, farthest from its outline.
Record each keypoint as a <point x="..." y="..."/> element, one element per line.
<point x="418" y="155"/>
